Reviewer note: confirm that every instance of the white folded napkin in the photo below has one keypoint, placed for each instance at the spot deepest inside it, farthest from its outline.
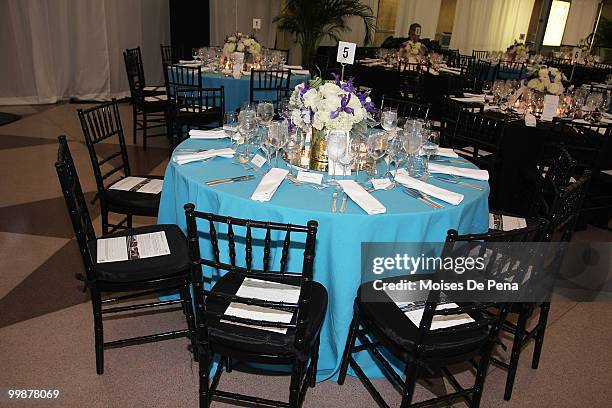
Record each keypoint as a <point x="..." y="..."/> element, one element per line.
<point x="475" y="174"/>
<point x="450" y="70"/>
<point x="447" y="152"/>
<point x="471" y="99"/>
<point x="292" y="67"/>
<point x="192" y="157"/>
<point x="207" y="134"/>
<point x="472" y="95"/>
<point x="361" y="197"/>
<point x="189" y="62"/>
<point x="300" y="71"/>
<point x="268" y="184"/>
<point x="441" y="194"/>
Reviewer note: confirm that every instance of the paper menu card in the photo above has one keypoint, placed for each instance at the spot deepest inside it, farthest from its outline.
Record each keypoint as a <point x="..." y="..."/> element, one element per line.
<point x="254" y="312"/>
<point x="440" y="321"/>
<point x="132" y="247"/>
<point x="266" y="290"/>
<point x="551" y="102"/>
<point x="139" y="184"/>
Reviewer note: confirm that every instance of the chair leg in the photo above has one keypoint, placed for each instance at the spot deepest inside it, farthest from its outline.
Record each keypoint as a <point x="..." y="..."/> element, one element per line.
<point x="204" y="373"/>
<point x="294" y="388"/>
<point x="129" y="221"/>
<point x="188" y="312"/>
<point x="135" y="121"/>
<point x="350" y="343"/>
<point x="96" y="303"/>
<point x="228" y="364"/>
<point x="314" y="361"/>
<point x="144" y="130"/>
<point x="517" y="344"/>
<point x="412" y="372"/>
<point x="104" y="217"/>
<point x="539" y="338"/>
<point x="481" y="373"/>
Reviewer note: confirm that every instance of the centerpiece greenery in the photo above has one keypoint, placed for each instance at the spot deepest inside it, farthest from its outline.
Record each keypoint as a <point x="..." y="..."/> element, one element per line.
<point x="311" y="20"/>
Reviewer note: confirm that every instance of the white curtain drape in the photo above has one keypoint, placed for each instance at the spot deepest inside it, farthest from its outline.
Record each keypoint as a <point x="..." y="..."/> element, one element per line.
<point x="490" y="25"/>
<point x="424" y="12"/>
<point x="229" y="16"/>
<point x="580" y="21"/>
<point x="53" y="50"/>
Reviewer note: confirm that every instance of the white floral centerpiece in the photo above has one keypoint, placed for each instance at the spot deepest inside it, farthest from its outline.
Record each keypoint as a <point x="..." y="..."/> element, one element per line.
<point x="543" y="79"/>
<point x="324" y="106"/>
<point x="239" y="42"/>
<point x="413" y="51"/>
<point x="517" y="52"/>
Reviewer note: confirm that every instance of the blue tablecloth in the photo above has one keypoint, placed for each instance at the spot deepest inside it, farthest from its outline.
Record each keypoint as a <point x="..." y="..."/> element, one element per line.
<point x="339" y="238"/>
<point x="237" y="90"/>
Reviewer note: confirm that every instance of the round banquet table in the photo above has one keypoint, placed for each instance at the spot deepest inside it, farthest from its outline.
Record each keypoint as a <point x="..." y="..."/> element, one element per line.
<point x="337" y="261"/>
<point x="237" y="90"/>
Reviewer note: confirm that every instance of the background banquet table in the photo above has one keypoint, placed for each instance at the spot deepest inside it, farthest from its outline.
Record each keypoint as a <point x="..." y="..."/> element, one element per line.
<point x="337" y="262"/>
<point x="237" y="90"/>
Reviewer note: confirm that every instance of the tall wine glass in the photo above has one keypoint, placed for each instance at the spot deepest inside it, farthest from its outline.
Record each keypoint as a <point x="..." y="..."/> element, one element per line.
<point x="267" y="144"/>
<point x="430" y="147"/>
<point x="373" y="119"/>
<point x="265" y="112"/>
<point x="412" y="142"/>
<point x="230" y="125"/>
<point x="376" y="146"/>
<point x="247" y="127"/>
<point x="195" y="53"/>
<point x="336" y="146"/>
<point x="395" y="154"/>
<point x="347" y="158"/>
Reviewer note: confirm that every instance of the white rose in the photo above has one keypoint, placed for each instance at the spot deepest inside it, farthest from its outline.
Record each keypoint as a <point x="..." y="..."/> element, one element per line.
<point x="329" y="90"/>
<point x="311" y="98"/>
<point x="240" y="47"/>
<point x="533" y="83"/>
<point x="231" y="39"/>
<point x="543" y="73"/>
<point x="555" y="88"/>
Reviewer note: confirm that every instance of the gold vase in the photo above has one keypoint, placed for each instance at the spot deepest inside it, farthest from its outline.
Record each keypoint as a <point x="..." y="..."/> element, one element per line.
<point x="318" y="150"/>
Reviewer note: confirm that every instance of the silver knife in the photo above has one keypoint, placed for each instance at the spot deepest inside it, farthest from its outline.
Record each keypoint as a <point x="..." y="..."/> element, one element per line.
<point x="230" y="180"/>
<point x="343" y="203"/>
<point x="334" y="201"/>
<point x="462" y="183"/>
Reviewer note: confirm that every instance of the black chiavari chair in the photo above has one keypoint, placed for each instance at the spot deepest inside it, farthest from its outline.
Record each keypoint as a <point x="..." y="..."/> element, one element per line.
<point x="406" y="107"/>
<point x="249" y="339"/>
<point x="102" y="131"/>
<point x="509" y="70"/>
<point x="380" y="322"/>
<point x="170" y="54"/>
<point x="198" y="108"/>
<point x="148" y="102"/>
<point x="478" y="138"/>
<point x="136" y="277"/>
<point x="265" y="83"/>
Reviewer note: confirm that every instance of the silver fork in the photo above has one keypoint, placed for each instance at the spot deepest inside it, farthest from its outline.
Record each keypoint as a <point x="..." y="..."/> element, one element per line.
<point x="334" y="201"/>
<point x="343" y="203"/>
<point x="422" y="197"/>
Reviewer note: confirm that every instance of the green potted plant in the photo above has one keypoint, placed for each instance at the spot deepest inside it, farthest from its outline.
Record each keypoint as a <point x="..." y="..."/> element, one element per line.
<point x="311" y="20"/>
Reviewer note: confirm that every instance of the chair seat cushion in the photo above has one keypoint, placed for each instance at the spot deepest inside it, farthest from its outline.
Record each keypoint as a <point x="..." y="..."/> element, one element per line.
<point x="133" y="202"/>
<point x="379" y="312"/>
<point x="257" y="341"/>
<point x="148" y="268"/>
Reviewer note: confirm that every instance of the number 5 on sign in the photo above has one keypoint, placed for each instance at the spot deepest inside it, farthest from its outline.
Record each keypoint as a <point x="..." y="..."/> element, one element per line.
<point x="346" y="52"/>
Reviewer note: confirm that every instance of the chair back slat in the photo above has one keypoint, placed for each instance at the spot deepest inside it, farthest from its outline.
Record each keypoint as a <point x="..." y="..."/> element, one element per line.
<point x="266" y="251"/>
<point x="75" y="201"/>
<point x="300" y="310"/>
<point x="183" y="77"/>
<point x="248" y="248"/>
<point x="190" y="100"/>
<point x="135" y="72"/>
<point x="170" y="54"/>
<point x="285" y="253"/>
<point x="231" y="243"/>
<point x="102" y="123"/>
<point x="566" y="207"/>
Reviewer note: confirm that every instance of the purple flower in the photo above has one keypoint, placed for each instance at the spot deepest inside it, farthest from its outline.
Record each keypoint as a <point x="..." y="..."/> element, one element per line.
<point x="304" y="89"/>
<point x="343" y="107"/>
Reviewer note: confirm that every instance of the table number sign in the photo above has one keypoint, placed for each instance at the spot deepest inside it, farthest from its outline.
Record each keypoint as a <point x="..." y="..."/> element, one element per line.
<point x="346" y="52"/>
<point x="551" y="102"/>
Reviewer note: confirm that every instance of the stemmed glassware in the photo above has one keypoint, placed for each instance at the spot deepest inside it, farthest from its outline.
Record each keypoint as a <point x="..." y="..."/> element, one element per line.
<point x="347" y="158"/>
<point x="412" y="142"/>
<point x="395" y="154"/>
<point x="336" y="147"/>
<point x="265" y="113"/>
<point x="430" y="147"/>
<point x="373" y="119"/>
<point x="247" y="126"/>
<point x="389" y="119"/>
<point x="376" y="147"/>
<point x="230" y="126"/>
<point x="195" y="53"/>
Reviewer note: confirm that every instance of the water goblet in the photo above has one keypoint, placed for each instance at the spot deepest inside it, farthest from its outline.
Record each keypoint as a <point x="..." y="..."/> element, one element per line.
<point x="230" y="125"/>
<point x="430" y="148"/>
<point x="412" y="142"/>
<point x="389" y="119"/>
<point x="376" y="146"/>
